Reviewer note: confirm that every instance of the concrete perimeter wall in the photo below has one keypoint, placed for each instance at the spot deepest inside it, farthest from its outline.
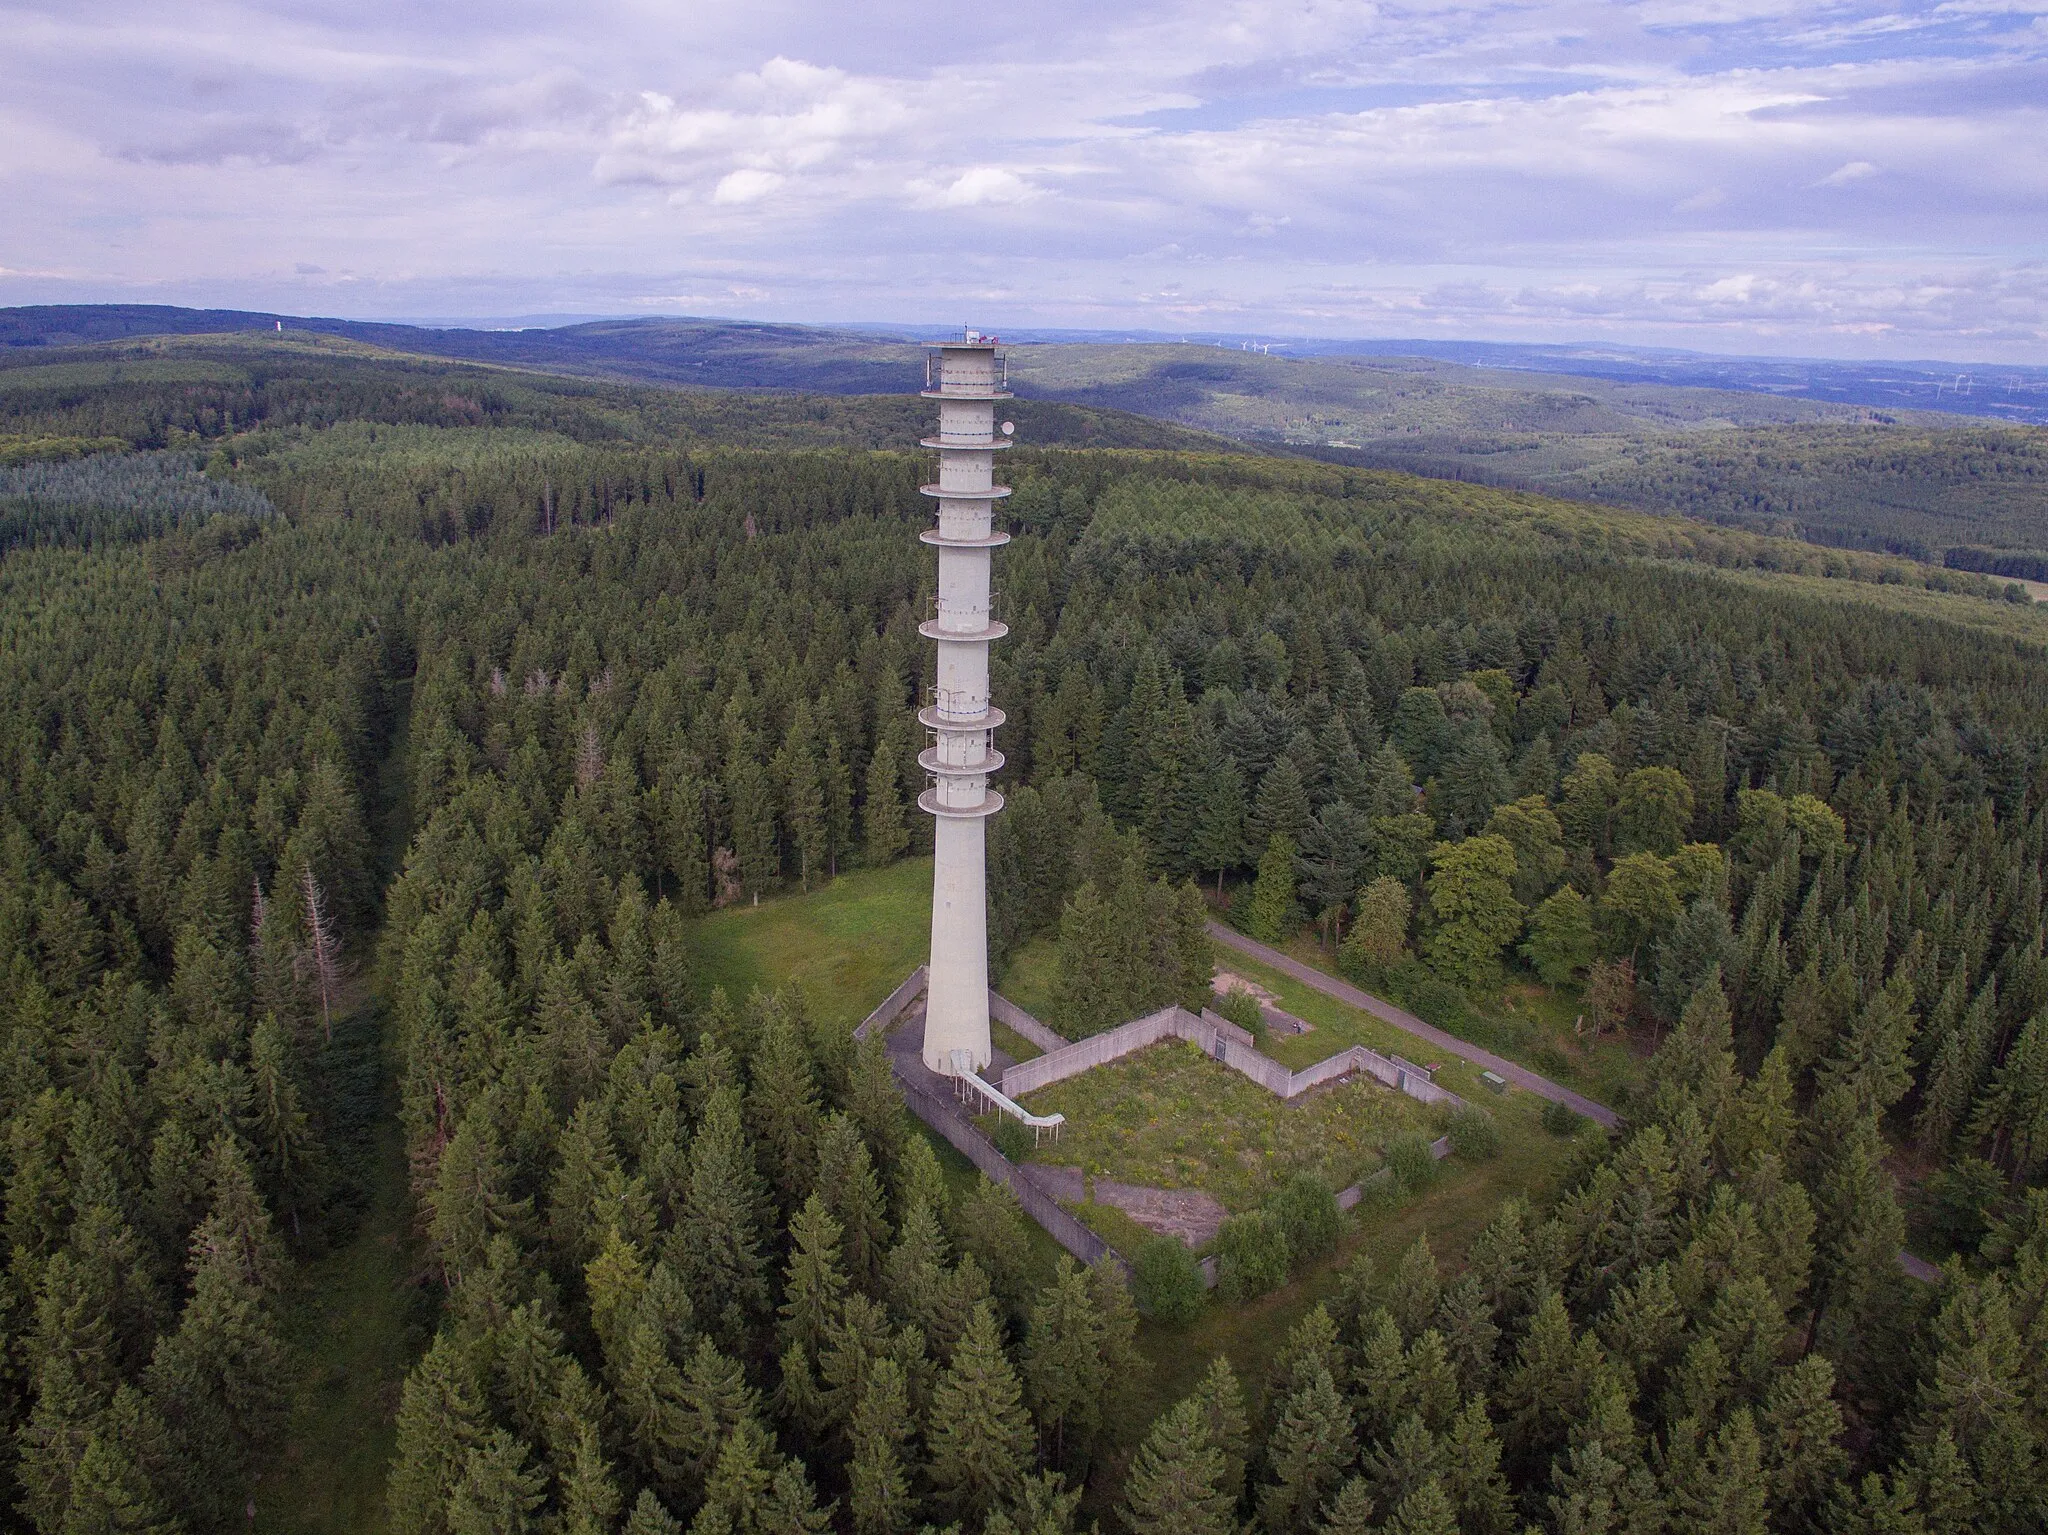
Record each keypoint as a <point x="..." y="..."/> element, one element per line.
<point x="1011" y="1016"/>
<point x="944" y="1116"/>
<point x="892" y="1007"/>
<point x="1225" y="1042"/>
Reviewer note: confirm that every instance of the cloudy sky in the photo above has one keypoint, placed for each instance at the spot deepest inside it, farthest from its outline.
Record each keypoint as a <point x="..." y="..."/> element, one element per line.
<point x="1853" y="179"/>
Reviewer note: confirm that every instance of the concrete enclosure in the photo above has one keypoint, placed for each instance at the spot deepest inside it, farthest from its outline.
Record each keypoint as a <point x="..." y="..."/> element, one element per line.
<point x="966" y="377"/>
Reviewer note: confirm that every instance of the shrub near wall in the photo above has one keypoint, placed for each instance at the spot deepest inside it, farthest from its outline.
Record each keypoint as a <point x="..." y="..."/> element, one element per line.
<point x="1166" y="1283"/>
<point x="1252" y="1256"/>
<point x="1408" y="1156"/>
<point x="1306" y="1211"/>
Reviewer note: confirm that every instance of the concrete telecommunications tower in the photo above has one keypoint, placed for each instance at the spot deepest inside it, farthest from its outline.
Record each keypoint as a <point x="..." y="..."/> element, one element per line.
<point x="966" y="377"/>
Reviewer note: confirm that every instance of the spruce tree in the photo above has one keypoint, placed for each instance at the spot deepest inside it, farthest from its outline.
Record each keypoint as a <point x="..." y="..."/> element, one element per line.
<point x="115" y="1488"/>
<point x="980" y="1437"/>
<point x="1219" y="816"/>
<point x="1272" y="914"/>
<point x="650" y="1518"/>
<point x="1175" y="1485"/>
<point x="1350" y="1512"/>
<point x="814" y="1283"/>
<point x="1310" y="1450"/>
<point x="2013" y="1112"/>
<point x="219" y="1381"/>
<point x="500" y="1492"/>
<point x="783" y="1112"/>
<point x="882" y="813"/>
<point x="1221" y="1401"/>
<point x="441" y="1416"/>
<point x="1280" y="808"/>
<point x="1063" y="1362"/>
<point x="878" y="1480"/>
<point x="851" y="1192"/>
<point x="1472" y="1477"/>
<point x="717" y="1245"/>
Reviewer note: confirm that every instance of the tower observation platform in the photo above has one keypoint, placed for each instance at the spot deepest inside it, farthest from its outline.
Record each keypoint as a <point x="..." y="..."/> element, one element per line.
<point x="966" y="377"/>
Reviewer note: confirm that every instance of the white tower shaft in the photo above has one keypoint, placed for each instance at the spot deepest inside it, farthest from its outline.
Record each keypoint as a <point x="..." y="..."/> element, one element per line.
<point x="966" y="378"/>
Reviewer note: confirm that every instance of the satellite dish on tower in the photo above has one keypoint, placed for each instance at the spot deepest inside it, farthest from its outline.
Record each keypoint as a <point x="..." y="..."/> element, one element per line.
<point x="1009" y="427"/>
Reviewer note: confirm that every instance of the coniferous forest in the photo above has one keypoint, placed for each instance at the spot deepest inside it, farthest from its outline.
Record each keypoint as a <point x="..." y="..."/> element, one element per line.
<point x="376" y="734"/>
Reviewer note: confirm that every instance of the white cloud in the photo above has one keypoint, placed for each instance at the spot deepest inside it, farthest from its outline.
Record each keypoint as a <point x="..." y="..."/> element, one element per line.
<point x="746" y="186"/>
<point x="982" y="185"/>
<point x="1521" y="164"/>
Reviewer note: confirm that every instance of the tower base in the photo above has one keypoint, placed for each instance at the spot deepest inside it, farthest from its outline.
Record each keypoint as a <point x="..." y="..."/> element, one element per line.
<point x="956" y="991"/>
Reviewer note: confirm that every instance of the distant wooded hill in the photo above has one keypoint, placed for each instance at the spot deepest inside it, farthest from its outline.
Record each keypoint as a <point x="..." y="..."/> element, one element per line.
<point x="1936" y="487"/>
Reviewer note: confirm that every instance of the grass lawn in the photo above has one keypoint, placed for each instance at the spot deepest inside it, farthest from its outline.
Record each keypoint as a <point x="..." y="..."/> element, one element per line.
<point x="1027" y="978"/>
<point x="1011" y="1043"/>
<point x="1170" y="1117"/>
<point x="847" y="944"/>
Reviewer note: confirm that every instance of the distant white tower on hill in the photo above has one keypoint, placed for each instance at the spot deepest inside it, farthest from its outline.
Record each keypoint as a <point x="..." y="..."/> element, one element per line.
<point x="966" y="377"/>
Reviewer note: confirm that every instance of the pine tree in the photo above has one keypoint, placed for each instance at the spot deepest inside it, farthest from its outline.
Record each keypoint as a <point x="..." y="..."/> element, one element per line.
<point x="980" y="1436"/>
<point x="1175" y="1483"/>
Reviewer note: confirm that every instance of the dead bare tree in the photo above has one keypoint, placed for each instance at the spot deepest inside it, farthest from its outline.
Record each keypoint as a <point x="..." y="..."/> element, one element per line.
<point x="323" y="948"/>
<point x="589" y="758"/>
<point x="259" y="913"/>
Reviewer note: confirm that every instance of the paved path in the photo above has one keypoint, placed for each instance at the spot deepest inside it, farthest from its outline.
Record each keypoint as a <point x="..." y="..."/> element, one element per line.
<point x="1404" y="1020"/>
<point x="1400" y="1018"/>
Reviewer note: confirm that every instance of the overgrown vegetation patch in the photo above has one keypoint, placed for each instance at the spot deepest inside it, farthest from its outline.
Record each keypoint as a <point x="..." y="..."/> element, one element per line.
<point x="1171" y="1117"/>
